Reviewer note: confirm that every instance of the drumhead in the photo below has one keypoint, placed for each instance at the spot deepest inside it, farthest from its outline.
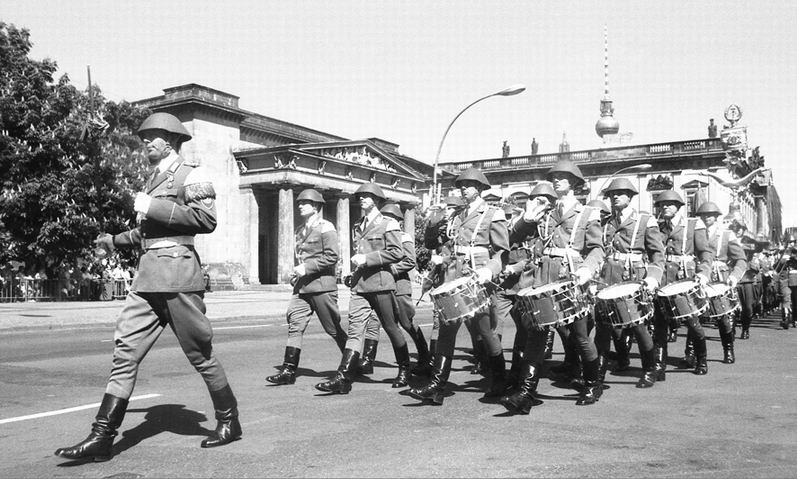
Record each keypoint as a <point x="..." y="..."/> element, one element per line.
<point x="451" y="285"/>
<point x="717" y="289"/>
<point x="678" y="287"/>
<point x="619" y="290"/>
<point x="544" y="288"/>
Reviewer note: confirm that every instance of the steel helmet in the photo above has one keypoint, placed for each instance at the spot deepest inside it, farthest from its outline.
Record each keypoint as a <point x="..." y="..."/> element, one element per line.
<point x="670" y="196"/>
<point x="544" y="188"/>
<point x="371" y="188"/>
<point x="709" y="208"/>
<point x="392" y="210"/>
<point x="310" y="195"/>
<point x="599" y="205"/>
<point x="166" y="122"/>
<point x="619" y="184"/>
<point x="566" y="166"/>
<point x="473" y="174"/>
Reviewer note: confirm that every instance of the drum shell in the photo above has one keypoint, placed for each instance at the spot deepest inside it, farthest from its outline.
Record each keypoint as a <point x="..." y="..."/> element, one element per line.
<point x="624" y="311"/>
<point x="464" y="300"/>
<point x="724" y="302"/>
<point x="792" y="278"/>
<point x="544" y="308"/>
<point x="684" y="304"/>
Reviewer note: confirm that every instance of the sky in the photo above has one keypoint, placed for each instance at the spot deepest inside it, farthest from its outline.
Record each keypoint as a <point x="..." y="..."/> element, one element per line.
<point x="402" y="70"/>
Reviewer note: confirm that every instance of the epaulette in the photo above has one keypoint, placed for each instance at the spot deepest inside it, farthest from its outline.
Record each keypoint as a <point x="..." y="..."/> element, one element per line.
<point x="498" y="214"/>
<point x="192" y="164"/>
<point x="392" y="225"/>
<point x="406" y="238"/>
<point x="326" y="226"/>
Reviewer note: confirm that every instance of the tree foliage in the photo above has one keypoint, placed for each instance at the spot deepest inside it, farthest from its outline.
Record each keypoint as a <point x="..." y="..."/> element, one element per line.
<point x="69" y="161"/>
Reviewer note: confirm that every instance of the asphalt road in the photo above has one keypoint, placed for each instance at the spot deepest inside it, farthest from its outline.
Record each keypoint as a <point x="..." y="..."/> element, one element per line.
<point x="738" y="421"/>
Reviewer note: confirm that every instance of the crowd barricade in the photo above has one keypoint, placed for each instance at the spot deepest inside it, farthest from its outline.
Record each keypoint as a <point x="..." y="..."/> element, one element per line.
<point x="16" y="289"/>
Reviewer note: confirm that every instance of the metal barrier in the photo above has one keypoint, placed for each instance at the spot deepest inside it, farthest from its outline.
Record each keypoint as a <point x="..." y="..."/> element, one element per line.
<point x="24" y="289"/>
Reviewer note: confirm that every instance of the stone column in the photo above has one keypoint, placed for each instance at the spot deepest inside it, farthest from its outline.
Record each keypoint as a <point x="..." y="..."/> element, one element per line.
<point x="285" y="240"/>
<point x="762" y="218"/>
<point x="251" y="217"/>
<point x="344" y="231"/>
<point x="409" y="221"/>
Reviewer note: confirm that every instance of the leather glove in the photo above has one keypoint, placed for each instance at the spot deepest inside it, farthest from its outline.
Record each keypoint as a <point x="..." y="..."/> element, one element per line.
<point x="484" y="275"/>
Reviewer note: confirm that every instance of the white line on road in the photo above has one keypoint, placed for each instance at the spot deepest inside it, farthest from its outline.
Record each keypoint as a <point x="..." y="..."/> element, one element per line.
<point x="242" y="327"/>
<point x="68" y="410"/>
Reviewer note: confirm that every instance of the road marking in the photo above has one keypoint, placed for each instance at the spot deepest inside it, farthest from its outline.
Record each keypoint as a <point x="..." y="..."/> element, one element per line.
<point x="68" y="410"/>
<point x="242" y="327"/>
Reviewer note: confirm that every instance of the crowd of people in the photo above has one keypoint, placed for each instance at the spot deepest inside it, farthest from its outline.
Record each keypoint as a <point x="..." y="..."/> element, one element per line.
<point x="595" y="275"/>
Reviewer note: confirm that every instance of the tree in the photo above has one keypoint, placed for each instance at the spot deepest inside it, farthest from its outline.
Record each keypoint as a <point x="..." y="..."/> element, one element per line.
<point x="69" y="162"/>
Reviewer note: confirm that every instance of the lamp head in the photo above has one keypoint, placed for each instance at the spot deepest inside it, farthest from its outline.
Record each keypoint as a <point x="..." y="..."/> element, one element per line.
<point x="512" y="90"/>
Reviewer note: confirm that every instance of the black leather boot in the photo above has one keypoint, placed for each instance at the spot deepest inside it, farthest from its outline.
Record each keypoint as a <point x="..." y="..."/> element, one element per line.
<point x="623" y="347"/>
<point x="434" y="390"/>
<point x="423" y="367"/>
<point x="593" y="388"/>
<point x="745" y="332"/>
<point x="341" y="383"/>
<point x="287" y="374"/>
<point x="228" y="428"/>
<point x="479" y="358"/>
<point x="673" y="334"/>
<point x="701" y="367"/>
<point x="649" y="363"/>
<point x="521" y="401"/>
<point x="513" y="378"/>
<point x="98" y="446"/>
<point x="369" y="355"/>
<point x="403" y="360"/>
<point x="548" y="354"/>
<point x="498" y="375"/>
<point x="727" y="348"/>
<point x="689" y="360"/>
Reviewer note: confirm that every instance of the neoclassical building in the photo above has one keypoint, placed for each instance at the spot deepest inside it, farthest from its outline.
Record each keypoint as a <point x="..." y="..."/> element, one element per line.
<point x="259" y="165"/>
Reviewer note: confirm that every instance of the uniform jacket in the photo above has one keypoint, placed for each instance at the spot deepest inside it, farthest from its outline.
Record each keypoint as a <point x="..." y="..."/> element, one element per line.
<point x="380" y="242"/>
<point x="317" y="249"/>
<point x="685" y="236"/>
<point x="789" y="264"/>
<point x="521" y="259"/>
<point x="484" y="227"/>
<point x="401" y="269"/>
<point x="183" y="205"/>
<point x="618" y="237"/>
<point x="728" y="253"/>
<point x="576" y="228"/>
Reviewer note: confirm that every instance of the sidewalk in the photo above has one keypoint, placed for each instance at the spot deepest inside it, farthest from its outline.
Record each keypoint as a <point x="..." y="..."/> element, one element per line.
<point x="262" y="304"/>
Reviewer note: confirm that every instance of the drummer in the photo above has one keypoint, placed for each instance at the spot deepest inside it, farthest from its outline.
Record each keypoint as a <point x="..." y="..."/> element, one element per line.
<point x="572" y="250"/>
<point x="634" y="252"/>
<point x="688" y="255"/>
<point x="788" y="280"/>
<point x="730" y="263"/>
<point x="480" y="246"/>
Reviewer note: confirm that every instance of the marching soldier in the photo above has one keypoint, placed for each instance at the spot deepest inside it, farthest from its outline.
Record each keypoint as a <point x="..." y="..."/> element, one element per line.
<point x="688" y="255"/>
<point x="634" y="252"/>
<point x="376" y="241"/>
<point x="480" y="245"/>
<point x="406" y="309"/>
<point x="315" y="288"/>
<point x="748" y="293"/>
<point x="168" y="290"/>
<point x="729" y="266"/>
<point x="572" y="249"/>
<point x="788" y="282"/>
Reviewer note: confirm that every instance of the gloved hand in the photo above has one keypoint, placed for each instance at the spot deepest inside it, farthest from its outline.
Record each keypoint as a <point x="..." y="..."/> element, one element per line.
<point x="142" y="202"/>
<point x="483" y="275"/>
<point x="651" y="284"/>
<point x="105" y="241"/>
<point x="299" y="271"/>
<point x="358" y="260"/>
<point x="582" y="276"/>
<point x="732" y="281"/>
<point x="513" y="269"/>
<point x="701" y="280"/>
<point x="436" y="259"/>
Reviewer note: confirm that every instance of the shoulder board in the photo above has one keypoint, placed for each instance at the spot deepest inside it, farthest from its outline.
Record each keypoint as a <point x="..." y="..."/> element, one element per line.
<point x="192" y="164"/>
<point x="326" y="226"/>
<point x="591" y="213"/>
<point x="391" y="225"/>
<point x="406" y="238"/>
<point x="497" y="214"/>
<point x="651" y="220"/>
<point x="698" y="225"/>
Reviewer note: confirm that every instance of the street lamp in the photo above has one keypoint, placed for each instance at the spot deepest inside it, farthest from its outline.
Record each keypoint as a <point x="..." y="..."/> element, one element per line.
<point x="643" y="166"/>
<point x="512" y="90"/>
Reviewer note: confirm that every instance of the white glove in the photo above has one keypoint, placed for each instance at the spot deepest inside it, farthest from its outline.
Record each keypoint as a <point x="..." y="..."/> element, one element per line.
<point x="651" y="283"/>
<point x="535" y="209"/>
<point x="484" y="275"/>
<point x="512" y="269"/>
<point x="582" y="276"/>
<point x="358" y="259"/>
<point x="299" y="271"/>
<point x="436" y="259"/>
<point x="732" y="281"/>
<point x="701" y="280"/>
<point x="142" y="202"/>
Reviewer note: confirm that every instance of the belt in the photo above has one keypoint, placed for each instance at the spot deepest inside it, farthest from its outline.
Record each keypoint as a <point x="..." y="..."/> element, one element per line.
<point x="627" y="256"/>
<point x="561" y="252"/>
<point x="166" y="242"/>
<point x="467" y="250"/>
<point x="679" y="257"/>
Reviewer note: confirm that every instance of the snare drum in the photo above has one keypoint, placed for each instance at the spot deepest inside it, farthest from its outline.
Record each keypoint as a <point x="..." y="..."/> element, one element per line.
<point x="551" y="305"/>
<point x="459" y="299"/>
<point x="722" y="300"/>
<point x="681" y="300"/>
<point x="792" y="278"/>
<point x="623" y="305"/>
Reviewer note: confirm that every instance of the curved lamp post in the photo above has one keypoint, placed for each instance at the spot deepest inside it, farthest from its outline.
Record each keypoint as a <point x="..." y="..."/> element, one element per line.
<point x="643" y="166"/>
<point x="512" y="90"/>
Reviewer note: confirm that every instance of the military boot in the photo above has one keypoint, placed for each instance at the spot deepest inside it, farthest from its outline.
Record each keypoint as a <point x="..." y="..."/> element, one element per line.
<point x="593" y="388"/>
<point x="497" y="366"/>
<point x="727" y="348"/>
<point x="366" y="365"/>
<point x="341" y="383"/>
<point x="649" y="363"/>
<point x="522" y="400"/>
<point x="701" y="367"/>
<point x="403" y="360"/>
<point x="228" y="427"/>
<point x="98" y="446"/>
<point x="287" y="374"/>
<point x="689" y="360"/>
<point x="423" y="367"/>
<point x="434" y="390"/>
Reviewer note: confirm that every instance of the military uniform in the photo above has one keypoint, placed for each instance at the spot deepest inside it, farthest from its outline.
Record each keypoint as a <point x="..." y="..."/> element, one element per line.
<point x="788" y="286"/>
<point x="748" y="294"/>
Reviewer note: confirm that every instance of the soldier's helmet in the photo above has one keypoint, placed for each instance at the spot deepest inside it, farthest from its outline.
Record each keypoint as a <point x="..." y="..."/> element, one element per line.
<point x="566" y="166"/>
<point x="371" y="188"/>
<point x="392" y="210"/>
<point x="600" y="205"/>
<point x="670" y="196"/>
<point x="709" y="208"/>
<point x="473" y="174"/>
<point x="310" y="195"/>
<point x="620" y="184"/>
<point x="544" y="188"/>
<point x="166" y="122"/>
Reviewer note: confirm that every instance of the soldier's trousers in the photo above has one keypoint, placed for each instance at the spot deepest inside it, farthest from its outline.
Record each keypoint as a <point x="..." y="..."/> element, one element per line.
<point x="301" y="308"/>
<point x="747" y="301"/>
<point x="141" y="322"/>
<point x="362" y="306"/>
